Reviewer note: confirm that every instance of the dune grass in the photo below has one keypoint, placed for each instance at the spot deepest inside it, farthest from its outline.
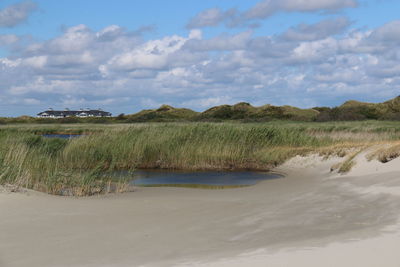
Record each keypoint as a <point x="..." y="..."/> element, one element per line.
<point x="349" y="163"/>
<point x="79" y="166"/>
<point x="386" y="153"/>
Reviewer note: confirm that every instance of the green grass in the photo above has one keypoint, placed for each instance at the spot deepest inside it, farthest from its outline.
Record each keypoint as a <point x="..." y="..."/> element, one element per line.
<point x="240" y="112"/>
<point x="78" y="166"/>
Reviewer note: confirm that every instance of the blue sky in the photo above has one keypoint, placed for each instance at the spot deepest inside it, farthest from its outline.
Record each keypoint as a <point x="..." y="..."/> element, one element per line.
<point x="125" y="56"/>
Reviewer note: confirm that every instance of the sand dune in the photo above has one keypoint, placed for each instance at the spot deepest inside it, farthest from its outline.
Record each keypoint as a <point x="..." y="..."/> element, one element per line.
<point x="312" y="217"/>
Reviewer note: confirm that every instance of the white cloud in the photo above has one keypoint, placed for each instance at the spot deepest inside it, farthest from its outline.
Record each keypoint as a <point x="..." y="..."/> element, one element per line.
<point x="35" y="62"/>
<point x="120" y="71"/>
<point x="110" y="32"/>
<point x="320" y="30"/>
<point x="264" y="9"/>
<point x="195" y="34"/>
<point x="268" y="8"/>
<point x="315" y="50"/>
<point x="154" y="54"/>
<point x="8" y="39"/>
<point x="222" y="42"/>
<point x="210" y="17"/>
<point x="389" y="32"/>
<point x="15" y="14"/>
<point x="31" y="101"/>
<point x="203" y="103"/>
<point x="74" y="39"/>
<point x="8" y="63"/>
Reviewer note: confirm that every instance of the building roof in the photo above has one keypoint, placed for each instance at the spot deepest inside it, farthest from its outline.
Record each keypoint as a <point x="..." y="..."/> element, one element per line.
<point x="68" y="113"/>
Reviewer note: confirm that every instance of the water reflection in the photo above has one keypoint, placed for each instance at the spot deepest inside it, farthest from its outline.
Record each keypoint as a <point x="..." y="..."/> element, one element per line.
<point x="212" y="178"/>
<point x="63" y="136"/>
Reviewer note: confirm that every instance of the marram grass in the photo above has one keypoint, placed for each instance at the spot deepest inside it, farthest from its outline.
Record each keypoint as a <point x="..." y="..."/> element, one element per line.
<point x="79" y="166"/>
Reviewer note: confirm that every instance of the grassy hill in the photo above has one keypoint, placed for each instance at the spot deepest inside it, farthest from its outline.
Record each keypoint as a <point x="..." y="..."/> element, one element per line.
<point x="164" y="113"/>
<point x="244" y="112"/>
<point x="355" y="110"/>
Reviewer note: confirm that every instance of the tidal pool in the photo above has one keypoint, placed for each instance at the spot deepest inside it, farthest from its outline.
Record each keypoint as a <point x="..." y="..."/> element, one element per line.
<point x="63" y="136"/>
<point x="204" y="178"/>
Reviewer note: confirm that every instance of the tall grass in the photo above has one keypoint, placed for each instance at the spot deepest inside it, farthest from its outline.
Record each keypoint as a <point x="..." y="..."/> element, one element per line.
<point x="79" y="166"/>
<point x="31" y="161"/>
<point x="187" y="146"/>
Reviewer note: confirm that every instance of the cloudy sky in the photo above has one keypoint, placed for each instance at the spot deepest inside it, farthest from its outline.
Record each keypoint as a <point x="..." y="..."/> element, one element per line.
<point x="124" y="55"/>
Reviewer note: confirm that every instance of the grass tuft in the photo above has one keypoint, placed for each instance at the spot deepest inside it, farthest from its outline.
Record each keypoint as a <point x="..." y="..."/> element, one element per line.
<point x="349" y="163"/>
<point x="386" y="154"/>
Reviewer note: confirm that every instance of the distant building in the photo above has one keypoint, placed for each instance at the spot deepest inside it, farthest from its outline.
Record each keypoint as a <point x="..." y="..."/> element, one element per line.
<point x="83" y="113"/>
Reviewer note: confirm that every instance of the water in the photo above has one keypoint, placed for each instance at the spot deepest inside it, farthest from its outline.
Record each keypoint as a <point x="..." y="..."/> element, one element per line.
<point x="211" y="178"/>
<point x="63" y="136"/>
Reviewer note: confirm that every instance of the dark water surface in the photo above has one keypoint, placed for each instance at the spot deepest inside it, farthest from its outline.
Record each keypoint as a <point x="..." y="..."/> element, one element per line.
<point x="63" y="136"/>
<point x="212" y="178"/>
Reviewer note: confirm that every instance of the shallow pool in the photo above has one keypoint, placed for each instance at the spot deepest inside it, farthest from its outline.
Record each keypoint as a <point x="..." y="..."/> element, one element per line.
<point x="63" y="136"/>
<point x="210" y="178"/>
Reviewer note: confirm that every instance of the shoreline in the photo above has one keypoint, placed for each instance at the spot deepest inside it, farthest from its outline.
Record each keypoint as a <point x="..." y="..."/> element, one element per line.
<point x="308" y="218"/>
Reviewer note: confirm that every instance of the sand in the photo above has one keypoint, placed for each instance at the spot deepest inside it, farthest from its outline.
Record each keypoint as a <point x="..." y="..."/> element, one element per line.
<point x="312" y="217"/>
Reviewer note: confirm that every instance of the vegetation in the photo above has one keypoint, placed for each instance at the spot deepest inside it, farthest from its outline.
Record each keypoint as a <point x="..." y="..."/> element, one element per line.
<point x="164" y="113"/>
<point x="355" y="110"/>
<point x="242" y="112"/>
<point x="349" y="163"/>
<point x="84" y="165"/>
<point x="386" y="153"/>
<point x="245" y="112"/>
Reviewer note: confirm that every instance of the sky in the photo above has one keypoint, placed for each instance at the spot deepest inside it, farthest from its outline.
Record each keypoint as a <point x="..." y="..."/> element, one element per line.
<point x="127" y="55"/>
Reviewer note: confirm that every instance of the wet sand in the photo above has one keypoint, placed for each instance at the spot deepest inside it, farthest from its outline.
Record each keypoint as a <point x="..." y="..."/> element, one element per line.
<point x="309" y="218"/>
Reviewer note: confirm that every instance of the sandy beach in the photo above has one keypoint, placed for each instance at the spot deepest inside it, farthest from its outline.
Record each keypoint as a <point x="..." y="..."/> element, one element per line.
<point x="312" y="217"/>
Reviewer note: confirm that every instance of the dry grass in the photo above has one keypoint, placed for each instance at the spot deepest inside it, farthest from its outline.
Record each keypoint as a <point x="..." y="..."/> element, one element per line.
<point x="386" y="152"/>
<point x="348" y="164"/>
